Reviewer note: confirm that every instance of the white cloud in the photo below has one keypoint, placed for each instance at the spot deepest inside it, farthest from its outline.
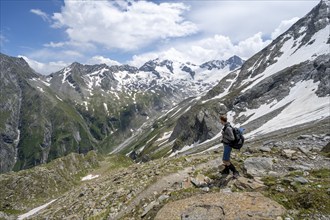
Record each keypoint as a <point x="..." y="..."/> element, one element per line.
<point x="127" y="27"/>
<point x="242" y="19"/>
<point x="40" y="13"/>
<point x="3" y="40"/>
<point x="284" y="25"/>
<point x="47" y="54"/>
<point x="44" y="68"/>
<point x="101" y="60"/>
<point x="217" y="47"/>
<point x="139" y="60"/>
<point x="55" y="45"/>
<point x="80" y="46"/>
<point x="251" y="45"/>
<point x="212" y="48"/>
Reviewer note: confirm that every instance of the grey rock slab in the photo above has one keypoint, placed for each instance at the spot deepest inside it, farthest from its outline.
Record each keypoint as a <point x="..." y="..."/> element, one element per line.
<point x="163" y="198"/>
<point x="258" y="166"/>
<point x="149" y="207"/>
<point x="265" y="149"/>
<point x="305" y="136"/>
<point x="288" y="153"/>
<point x="301" y="180"/>
<point x="304" y="150"/>
<point x="299" y="167"/>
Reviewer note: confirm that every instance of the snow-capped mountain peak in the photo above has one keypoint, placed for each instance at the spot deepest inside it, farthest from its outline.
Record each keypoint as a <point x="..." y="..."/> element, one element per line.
<point x="233" y="62"/>
<point x="153" y="74"/>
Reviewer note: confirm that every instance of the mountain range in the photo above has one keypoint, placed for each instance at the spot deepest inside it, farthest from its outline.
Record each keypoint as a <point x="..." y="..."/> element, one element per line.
<point x="86" y="107"/>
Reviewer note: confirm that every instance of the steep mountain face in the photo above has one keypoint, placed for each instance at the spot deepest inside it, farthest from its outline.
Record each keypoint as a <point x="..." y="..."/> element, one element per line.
<point x="283" y="86"/>
<point x="84" y="107"/>
<point x="36" y="126"/>
<point x="12" y="88"/>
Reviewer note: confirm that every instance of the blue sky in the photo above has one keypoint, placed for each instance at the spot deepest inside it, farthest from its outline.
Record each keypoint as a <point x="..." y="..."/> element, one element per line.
<point x="51" y="34"/>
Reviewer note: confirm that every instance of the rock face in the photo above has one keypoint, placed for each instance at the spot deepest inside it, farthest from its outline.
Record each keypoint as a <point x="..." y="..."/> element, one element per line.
<point x="35" y="125"/>
<point x="12" y="91"/>
<point x="249" y="205"/>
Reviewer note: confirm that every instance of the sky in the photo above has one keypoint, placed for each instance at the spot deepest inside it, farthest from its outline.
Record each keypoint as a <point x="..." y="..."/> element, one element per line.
<point x="51" y="34"/>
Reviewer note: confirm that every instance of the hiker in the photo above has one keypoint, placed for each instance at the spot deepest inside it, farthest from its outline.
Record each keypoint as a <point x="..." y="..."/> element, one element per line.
<point x="227" y="137"/>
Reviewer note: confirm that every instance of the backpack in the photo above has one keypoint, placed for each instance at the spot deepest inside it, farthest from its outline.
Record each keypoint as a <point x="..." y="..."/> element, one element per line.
<point x="239" y="138"/>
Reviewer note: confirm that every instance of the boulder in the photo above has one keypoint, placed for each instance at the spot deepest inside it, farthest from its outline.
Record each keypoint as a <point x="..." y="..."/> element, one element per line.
<point x="249" y="184"/>
<point x="326" y="148"/>
<point x="149" y="207"/>
<point x="258" y="166"/>
<point x="301" y="180"/>
<point x="305" y="136"/>
<point x="288" y="153"/>
<point x="299" y="167"/>
<point x="265" y="149"/>
<point x="200" y="180"/>
<point x="247" y="205"/>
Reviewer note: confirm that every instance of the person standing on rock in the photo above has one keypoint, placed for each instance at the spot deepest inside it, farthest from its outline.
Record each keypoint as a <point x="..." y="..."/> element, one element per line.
<point x="227" y="137"/>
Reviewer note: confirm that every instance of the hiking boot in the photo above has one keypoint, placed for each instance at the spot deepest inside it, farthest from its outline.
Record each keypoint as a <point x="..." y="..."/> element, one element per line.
<point x="236" y="175"/>
<point x="225" y="171"/>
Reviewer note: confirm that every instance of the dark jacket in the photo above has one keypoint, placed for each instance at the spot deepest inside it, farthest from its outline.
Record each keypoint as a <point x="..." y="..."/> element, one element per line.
<point x="227" y="134"/>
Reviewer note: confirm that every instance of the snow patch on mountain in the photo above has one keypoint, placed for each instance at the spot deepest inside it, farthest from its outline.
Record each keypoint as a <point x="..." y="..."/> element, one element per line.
<point x="291" y="56"/>
<point x="226" y="92"/>
<point x="303" y="106"/>
<point x="165" y="136"/>
<point x="106" y="108"/>
<point x="86" y="105"/>
<point x="66" y="73"/>
<point x="45" y="82"/>
<point x="34" y="211"/>
<point x="89" y="177"/>
<point x="40" y="89"/>
<point x="94" y="79"/>
<point x="59" y="98"/>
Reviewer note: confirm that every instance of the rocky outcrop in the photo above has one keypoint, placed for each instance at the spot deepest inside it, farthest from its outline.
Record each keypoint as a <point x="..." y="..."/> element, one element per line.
<point x="249" y="205"/>
<point x="13" y="75"/>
